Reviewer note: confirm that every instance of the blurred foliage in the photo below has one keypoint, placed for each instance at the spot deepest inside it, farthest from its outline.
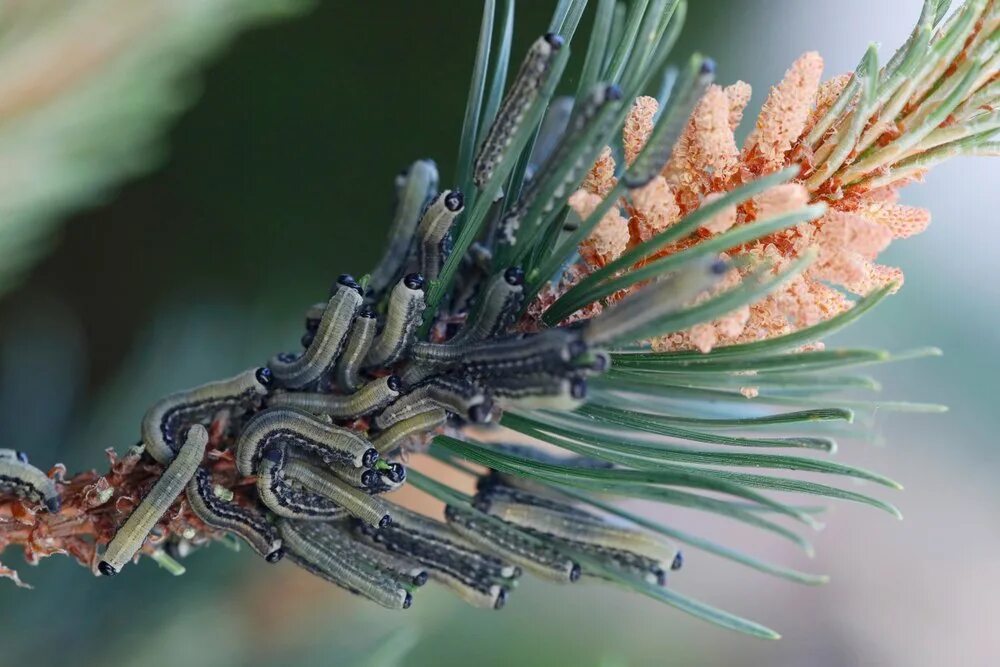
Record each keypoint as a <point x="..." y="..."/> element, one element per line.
<point x="85" y="89"/>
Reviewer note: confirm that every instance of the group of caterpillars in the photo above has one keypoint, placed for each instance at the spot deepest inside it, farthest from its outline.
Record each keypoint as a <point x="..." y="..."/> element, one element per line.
<point x="316" y="430"/>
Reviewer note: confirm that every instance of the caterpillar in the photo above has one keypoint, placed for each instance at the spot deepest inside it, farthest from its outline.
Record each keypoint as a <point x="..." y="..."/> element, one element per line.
<point x="519" y="98"/>
<point x="585" y="131"/>
<point x="171" y="416"/>
<point x="548" y="350"/>
<point x="565" y="522"/>
<point x="393" y="437"/>
<point x="414" y="190"/>
<point x="539" y="391"/>
<point x="131" y="535"/>
<point x="324" y="348"/>
<point x="284" y="499"/>
<point x="478" y="578"/>
<point x="532" y="555"/>
<point x="372" y="510"/>
<point x="401" y="568"/>
<point x="347" y="371"/>
<point x="314" y="547"/>
<point x="403" y="316"/>
<point x="18" y="477"/>
<point x="280" y="427"/>
<point x="371" y="397"/>
<point x="459" y="396"/>
<point x="638" y="310"/>
<point x="432" y="232"/>
<point x="246" y="524"/>
<point x="389" y="479"/>
<point x="497" y="308"/>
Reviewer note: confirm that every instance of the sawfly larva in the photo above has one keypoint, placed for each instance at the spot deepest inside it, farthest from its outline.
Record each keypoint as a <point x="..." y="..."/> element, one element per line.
<point x="584" y="128"/>
<point x="311" y="547"/>
<point x="660" y="144"/>
<point x="459" y="396"/>
<point x="323" y="350"/>
<point x="389" y="479"/>
<point x="361" y="478"/>
<point x="414" y="190"/>
<point x="546" y="351"/>
<point x="519" y="98"/>
<point x="653" y="302"/>
<point x="21" y="479"/>
<point x="285" y="500"/>
<point x="396" y="566"/>
<point x="392" y="438"/>
<point x="281" y="427"/>
<point x="171" y="416"/>
<point x="479" y="578"/>
<point x="432" y="232"/>
<point x="496" y="309"/>
<point x="131" y="535"/>
<point x="539" y="391"/>
<point x="534" y="556"/>
<point x="371" y="510"/>
<point x="371" y="397"/>
<point x="347" y="371"/>
<point x="565" y="522"/>
<point x="406" y="306"/>
<point x="248" y="525"/>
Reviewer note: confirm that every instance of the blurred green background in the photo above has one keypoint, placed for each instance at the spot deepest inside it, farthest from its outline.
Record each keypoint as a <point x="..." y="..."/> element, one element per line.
<point x="279" y="178"/>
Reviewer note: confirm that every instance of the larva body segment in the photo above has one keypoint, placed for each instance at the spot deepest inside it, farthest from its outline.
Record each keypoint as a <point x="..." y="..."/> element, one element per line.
<point x="651" y="303"/>
<point x="389" y="440"/>
<point x="131" y="535"/>
<point x="248" y="525"/>
<point x="519" y="98"/>
<point x="457" y="395"/>
<point x="371" y="397"/>
<point x="170" y="417"/>
<point x="540" y="391"/>
<point x="313" y="547"/>
<point x="496" y="309"/>
<point x="414" y="190"/>
<point x="403" y="316"/>
<point x="347" y="371"/>
<point x="540" y="559"/>
<point x="566" y="522"/>
<point x="21" y="479"/>
<point x="286" y="500"/>
<point x="401" y="568"/>
<point x="551" y="350"/>
<point x="433" y="230"/>
<point x="480" y="579"/>
<point x="298" y="430"/>
<point x="587" y="130"/>
<point x="324" y="348"/>
<point x="372" y="510"/>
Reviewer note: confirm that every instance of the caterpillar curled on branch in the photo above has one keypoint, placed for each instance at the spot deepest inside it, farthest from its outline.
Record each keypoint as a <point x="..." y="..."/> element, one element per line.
<point x="170" y="418"/>
<point x="131" y="535"/>
<point x="19" y="478"/>
<point x="250" y="526"/>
